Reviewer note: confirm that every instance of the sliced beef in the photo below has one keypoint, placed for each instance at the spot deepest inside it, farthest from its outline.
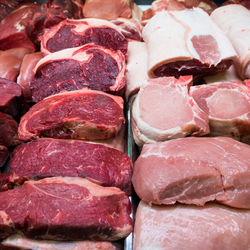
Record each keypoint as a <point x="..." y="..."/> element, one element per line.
<point x="8" y="130"/>
<point x="53" y="157"/>
<point x="163" y="110"/>
<point x="27" y="73"/>
<point x="181" y="227"/>
<point x="136" y="67"/>
<point x="227" y="105"/>
<point x="83" y="114"/>
<point x="15" y="27"/>
<point x="200" y="46"/>
<point x="234" y="21"/>
<point x="90" y="66"/>
<point x="74" y="33"/>
<point x="194" y="171"/>
<point x="130" y="28"/>
<point x="23" y="242"/>
<point x="10" y="94"/>
<point x="110" y="9"/>
<point x="65" y="208"/>
<point x="4" y="154"/>
<point x="10" y="62"/>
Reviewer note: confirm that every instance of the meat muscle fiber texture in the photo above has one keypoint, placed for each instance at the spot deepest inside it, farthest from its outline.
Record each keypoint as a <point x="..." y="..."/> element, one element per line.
<point x="82" y="114"/>
<point x="187" y="227"/>
<point x="234" y="21"/>
<point x="10" y="94"/>
<point x="163" y="109"/>
<point x="194" y="171"/>
<point x="228" y="107"/>
<point x="200" y="46"/>
<point x="53" y="157"/>
<point x="90" y="66"/>
<point x="26" y="243"/>
<point x="65" y="208"/>
<point x="74" y="33"/>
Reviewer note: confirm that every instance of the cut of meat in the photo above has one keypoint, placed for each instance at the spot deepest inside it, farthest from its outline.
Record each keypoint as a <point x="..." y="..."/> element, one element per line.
<point x="200" y="46"/>
<point x="27" y="72"/>
<point x="110" y="9"/>
<point x="82" y="114"/>
<point x="89" y="66"/>
<point x="130" y="28"/>
<point x="227" y="105"/>
<point x="245" y="3"/>
<point x="14" y="25"/>
<point x="74" y="33"/>
<point x="4" y="154"/>
<point x="188" y="227"/>
<point x="10" y="62"/>
<point x="65" y="208"/>
<point x="164" y="110"/>
<point x="194" y="171"/>
<point x="136" y="67"/>
<point x="8" y="128"/>
<point x="10" y="93"/>
<point x="234" y="21"/>
<point x="53" y="157"/>
<point x="23" y="242"/>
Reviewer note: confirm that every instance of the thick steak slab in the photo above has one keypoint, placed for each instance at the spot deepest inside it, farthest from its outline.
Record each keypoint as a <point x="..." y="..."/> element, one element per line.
<point x="53" y="157"/>
<point x="194" y="171"/>
<point x="82" y="114"/>
<point x="188" y="227"/>
<point x="90" y="66"/>
<point x="65" y="208"/>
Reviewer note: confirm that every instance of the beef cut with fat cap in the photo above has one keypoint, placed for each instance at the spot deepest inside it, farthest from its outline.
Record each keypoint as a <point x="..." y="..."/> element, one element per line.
<point x="54" y="157"/>
<point x="81" y="114"/>
<point x="194" y="171"/>
<point x="200" y="46"/>
<point x="65" y="208"/>
<point x="176" y="227"/>
<point x="163" y="110"/>
<point x="108" y="9"/>
<point x="23" y="242"/>
<point x="228" y="107"/>
<point x="90" y="66"/>
<point x="234" y="21"/>
<point x="4" y="154"/>
<point x="10" y="94"/>
<point x="74" y="33"/>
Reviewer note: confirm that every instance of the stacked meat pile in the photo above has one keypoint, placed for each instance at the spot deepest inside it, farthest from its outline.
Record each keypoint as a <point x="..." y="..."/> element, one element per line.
<point x="67" y="69"/>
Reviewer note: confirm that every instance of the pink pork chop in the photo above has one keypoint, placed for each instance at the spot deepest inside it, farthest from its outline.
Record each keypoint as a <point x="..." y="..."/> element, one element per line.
<point x="163" y="110"/>
<point x="194" y="171"/>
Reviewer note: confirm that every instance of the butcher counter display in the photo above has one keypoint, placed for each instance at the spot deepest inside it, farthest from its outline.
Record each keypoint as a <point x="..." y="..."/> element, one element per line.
<point x="124" y="127"/>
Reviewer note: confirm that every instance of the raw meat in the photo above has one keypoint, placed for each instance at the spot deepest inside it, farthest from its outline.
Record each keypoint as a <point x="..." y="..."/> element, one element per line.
<point x="163" y="110"/>
<point x="53" y="157"/>
<point x="83" y="114"/>
<point x="10" y="62"/>
<point x="27" y="73"/>
<point x="188" y="227"/>
<point x="227" y="105"/>
<point x="74" y="33"/>
<point x="90" y="66"/>
<point x="4" y="154"/>
<point x="234" y="21"/>
<point x="245" y="3"/>
<point x="8" y="128"/>
<point x="23" y="242"/>
<point x="200" y="46"/>
<point x="136" y="67"/>
<point x="65" y="208"/>
<point x="10" y="94"/>
<point x="110" y="9"/>
<point x="15" y="27"/>
<point x="130" y="28"/>
<point x="194" y="171"/>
